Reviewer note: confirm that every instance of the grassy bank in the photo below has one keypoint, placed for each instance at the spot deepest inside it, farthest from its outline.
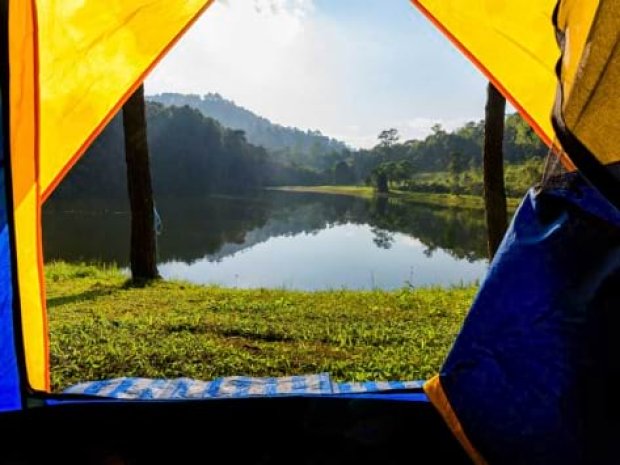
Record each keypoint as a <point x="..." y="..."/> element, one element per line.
<point x="102" y="328"/>
<point x="518" y="178"/>
<point x="442" y="200"/>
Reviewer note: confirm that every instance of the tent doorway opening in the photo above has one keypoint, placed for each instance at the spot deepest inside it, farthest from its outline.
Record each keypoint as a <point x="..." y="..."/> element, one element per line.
<point x="325" y="280"/>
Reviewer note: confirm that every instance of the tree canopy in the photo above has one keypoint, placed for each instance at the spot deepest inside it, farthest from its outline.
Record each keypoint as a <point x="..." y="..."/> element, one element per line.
<point x="192" y="154"/>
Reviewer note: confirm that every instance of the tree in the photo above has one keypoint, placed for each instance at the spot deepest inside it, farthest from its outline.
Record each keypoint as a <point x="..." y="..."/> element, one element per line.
<point x="403" y="171"/>
<point x="143" y="246"/>
<point x="388" y="137"/>
<point x="533" y="170"/>
<point x="391" y="171"/>
<point x="343" y="174"/>
<point x="493" y="167"/>
<point x="520" y="140"/>
<point x="454" y="168"/>
<point x="437" y="128"/>
<point x="380" y="176"/>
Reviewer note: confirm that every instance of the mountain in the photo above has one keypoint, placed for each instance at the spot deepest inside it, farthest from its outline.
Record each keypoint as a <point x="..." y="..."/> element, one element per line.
<point x="287" y="141"/>
<point x="190" y="154"/>
<point x="193" y="154"/>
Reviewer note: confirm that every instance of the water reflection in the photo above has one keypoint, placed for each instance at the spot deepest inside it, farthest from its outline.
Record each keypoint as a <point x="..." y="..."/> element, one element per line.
<point x="238" y="240"/>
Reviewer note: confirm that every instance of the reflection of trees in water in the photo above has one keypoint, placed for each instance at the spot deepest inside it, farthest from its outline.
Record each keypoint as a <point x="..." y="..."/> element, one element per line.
<point x="383" y="239"/>
<point x="460" y="232"/>
<point x="86" y="230"/>
<point x="220" y="226"/>
<point x="192" y="228"/>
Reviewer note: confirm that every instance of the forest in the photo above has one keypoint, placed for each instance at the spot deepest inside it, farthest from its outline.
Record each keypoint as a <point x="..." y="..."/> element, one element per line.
<point x="193" y="154"/>
<point x="284" y="143"/>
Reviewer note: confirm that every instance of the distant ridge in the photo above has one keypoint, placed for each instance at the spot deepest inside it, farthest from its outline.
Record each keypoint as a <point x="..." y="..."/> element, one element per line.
<point x="258" y="130"/>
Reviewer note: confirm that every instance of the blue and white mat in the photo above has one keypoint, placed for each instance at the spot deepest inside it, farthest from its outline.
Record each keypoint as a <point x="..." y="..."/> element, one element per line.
<point x="231" y="387"/>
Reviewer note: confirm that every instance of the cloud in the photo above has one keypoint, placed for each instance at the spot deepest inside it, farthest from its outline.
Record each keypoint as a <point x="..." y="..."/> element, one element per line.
<point x="298" y="8"/>
<point x="339" y="67"/>
<point x="235" y="39"/>
<point x="415" y="128"/>
<point x="274" y="57"/>
<point x="419" y="128"/>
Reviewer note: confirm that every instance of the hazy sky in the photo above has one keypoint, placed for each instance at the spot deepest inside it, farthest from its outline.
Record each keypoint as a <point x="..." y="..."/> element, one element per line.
<point x="348" y="68"/>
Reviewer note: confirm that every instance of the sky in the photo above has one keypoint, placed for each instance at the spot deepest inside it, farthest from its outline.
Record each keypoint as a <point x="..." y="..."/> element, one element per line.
<point x="348" y="68"/>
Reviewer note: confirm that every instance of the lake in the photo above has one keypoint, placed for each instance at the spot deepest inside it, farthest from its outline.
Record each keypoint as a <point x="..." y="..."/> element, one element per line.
<point x="282" y="239"/>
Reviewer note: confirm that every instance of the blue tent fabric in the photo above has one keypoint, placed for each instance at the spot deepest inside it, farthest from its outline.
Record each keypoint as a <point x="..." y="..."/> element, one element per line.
<point x="533" y="375"/>
<point x="10" y="398"/>
<point x="231" y="387"/>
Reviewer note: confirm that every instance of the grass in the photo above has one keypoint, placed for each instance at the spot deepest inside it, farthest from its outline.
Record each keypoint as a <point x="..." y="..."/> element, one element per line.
<point x="442" y="200"/>
<point x="100" y="327"/>
<point x="357" y="191"/>
<point x="518" y="178"/>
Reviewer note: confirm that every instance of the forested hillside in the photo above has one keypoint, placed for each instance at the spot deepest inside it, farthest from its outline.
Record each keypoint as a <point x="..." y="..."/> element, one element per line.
<point x="286" y="144"/>
<point x="444" y="161"/>
<point x="192" y="154"/>
<point x="455" y="151"/>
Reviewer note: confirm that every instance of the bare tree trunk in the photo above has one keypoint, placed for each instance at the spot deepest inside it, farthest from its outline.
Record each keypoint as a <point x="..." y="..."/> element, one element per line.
<point x="143" y="246"/>
<point x="493" y="167"/>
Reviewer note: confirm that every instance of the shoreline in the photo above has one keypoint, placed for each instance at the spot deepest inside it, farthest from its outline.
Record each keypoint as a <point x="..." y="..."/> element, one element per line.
<point x="101" y="328"/>
<point x="441" y="200"/>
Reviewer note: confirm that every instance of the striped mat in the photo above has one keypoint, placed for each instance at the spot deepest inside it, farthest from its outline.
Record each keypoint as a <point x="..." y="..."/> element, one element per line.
<point x="231" y="387"/>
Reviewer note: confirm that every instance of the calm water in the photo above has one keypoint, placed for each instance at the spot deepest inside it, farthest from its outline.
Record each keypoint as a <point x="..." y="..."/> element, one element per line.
<point x="281" y="239"/>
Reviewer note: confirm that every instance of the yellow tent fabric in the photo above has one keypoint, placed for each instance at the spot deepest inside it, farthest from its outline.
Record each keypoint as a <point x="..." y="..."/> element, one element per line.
<point x="73" y="65"/>
<point x="92" y="54"/>
<point x="24" y="167"/>
<point x="75" y="62"/>
<point x="590" y="75"/>
<point x="512" y="43"/>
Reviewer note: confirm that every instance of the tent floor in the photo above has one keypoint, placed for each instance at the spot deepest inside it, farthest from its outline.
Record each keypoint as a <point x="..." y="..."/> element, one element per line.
<point x="301" y="430"/>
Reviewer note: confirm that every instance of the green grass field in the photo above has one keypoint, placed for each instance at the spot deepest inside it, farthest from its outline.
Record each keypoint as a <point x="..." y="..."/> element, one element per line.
<point x="101" y="328"/>
<point x="441" y="200"/>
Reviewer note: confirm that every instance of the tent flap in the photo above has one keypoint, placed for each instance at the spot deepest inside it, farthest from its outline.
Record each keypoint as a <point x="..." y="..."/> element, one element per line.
<point x="512" y="43"/>
<point x="532" y="377"/>
<point x="72" y="66"/>
<point x="24" y="110"/>
<point x="92" y="56"/>
<point x="587" y="109"/>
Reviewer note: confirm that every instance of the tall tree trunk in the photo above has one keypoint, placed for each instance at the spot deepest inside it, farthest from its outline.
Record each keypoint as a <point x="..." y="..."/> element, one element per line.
<point x="493" y="167"/>
<point x="143" y="246"/>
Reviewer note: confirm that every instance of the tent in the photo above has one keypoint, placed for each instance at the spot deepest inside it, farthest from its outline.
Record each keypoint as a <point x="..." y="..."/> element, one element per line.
<point x="531" y="379"/>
